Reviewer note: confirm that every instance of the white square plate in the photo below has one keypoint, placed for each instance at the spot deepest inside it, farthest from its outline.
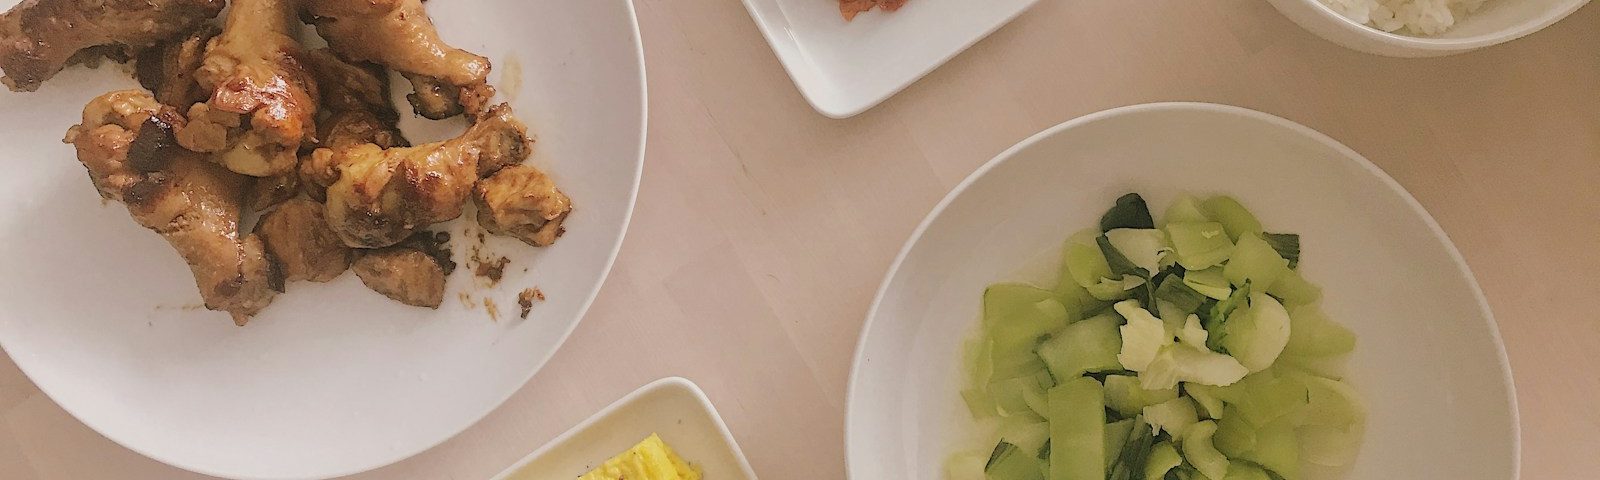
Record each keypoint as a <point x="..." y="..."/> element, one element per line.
<point x="844" y="68"/>
<point x="671" y="407"/>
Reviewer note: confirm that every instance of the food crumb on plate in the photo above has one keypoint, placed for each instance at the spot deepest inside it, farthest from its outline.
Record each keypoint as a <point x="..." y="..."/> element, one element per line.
<point x="489" y="306"/>
<point x="526" y="298"/>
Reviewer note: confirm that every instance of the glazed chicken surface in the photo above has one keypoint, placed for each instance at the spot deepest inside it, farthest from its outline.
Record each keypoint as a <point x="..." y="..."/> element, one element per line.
<point x="39" y="37"/>
<point x="412" y="272"/>
<point x="167" y="70"/>
<point x="383" y="195"/>
<point x="522" y="202"/>
<point x="263" y="101"/>
<point x="301" y="242"/>
<point x="126" y="143"/>
<point x="399" y="34"/>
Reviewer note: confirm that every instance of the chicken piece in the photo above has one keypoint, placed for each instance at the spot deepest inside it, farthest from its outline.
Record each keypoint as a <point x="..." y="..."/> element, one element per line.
<point x="399" y="34"/>
<point x="344" y="129"/>
<point x="850" y="8"/>
<point x="348" y="87"/>
<point x="168" y="69"/>
<point x="383" y="195"/>
<point x="39" y="37"/>
<point x="301" y="243"/>
<point x="263" y="101"/>
<point x="265" y="192"/>
<point x="522" y="202"/>
<point x="412" y="272"/>
<point x="127" y="144"/>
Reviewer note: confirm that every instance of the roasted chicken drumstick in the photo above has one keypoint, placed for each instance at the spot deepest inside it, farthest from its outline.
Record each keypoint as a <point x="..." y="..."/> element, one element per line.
<point x="127" y="144"/>
<point x="400" y="35"/>
<point x="522" y="202"/>
<point x="263" y="101"/>
<point x="39" y="37"/>
<point x="381" y="196"/>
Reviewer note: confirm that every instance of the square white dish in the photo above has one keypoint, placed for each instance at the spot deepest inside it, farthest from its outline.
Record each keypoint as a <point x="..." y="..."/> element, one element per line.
<point x="843" y="68"/>
<point x="674" y="408"/>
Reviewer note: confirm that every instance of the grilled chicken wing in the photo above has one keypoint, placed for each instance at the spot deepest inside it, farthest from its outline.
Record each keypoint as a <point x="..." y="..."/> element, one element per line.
<point x="168" y="69"/>
<point x="357" y="97"/>
<point x="265" y="192"/>
<point x="400" y="35"/>
<point x="127" y="144"/>
<point x="381" y="196"/>
<point x="301" y="243"/>
<point x="39" y="37"/>
<point x="263" y="101"/>
<point x="412" y="272"/>
<point x="522" y="202"/>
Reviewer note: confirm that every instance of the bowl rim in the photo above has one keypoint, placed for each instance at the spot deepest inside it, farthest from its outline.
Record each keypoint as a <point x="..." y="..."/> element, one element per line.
<point x="1527" y="27"/>
<point x="853" y="383"/>
<point x="398" y="456"/>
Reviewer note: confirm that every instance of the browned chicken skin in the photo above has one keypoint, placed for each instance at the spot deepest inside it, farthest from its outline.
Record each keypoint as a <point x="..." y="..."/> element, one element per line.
<point x="126" y="143"/>
<point x="263" y="101"/>
<point x="522" y="202"/>
<point x="168" y="69"/>
<point x="300" y="241"/>
<point x="400" y="35"/>
<point x="357" y="97"/>
<point x="39" y="37"/>
<point x="412" y="272"/>
<point x="265" y="192"/>
<point x="384" y="195"/>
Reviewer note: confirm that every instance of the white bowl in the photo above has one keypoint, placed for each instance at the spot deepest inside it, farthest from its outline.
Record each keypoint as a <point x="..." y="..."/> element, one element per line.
<point x="1499" y="21"/>
<point x="331" y="379"/>
<point x="1428" y="361"/>
<point x="674" y="408"/>
<point x="844" y="68"/>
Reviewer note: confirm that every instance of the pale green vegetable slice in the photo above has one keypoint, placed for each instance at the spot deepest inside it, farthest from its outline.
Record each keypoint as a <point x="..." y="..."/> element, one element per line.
<point x="1183" y="363"/>
<point x="1277" y="449"/>
<point x="1245" y="471"/>
<point x="1271" y="399"/>
<point x="1185" y="209"/>
<point x="1088" y="345"/>
<point x="1077" y="430"/>
<point x="979" y="403"/>
<point x="1172" y="416"/>
<point x="1332" y="403"/>
<point x="965" y="466"/>
<point x="1258" y="334"/>
<point x="1163" y="458"/>
<point x="1125" y="396"/>
<point x="1011" y="463"/>
<point x="1312" y="334"/>
<point x="1255" y="261"/>
<point x="1209" y="282"/>
<point x="1327" y="366"/>
<point x="1234" y="435"/>
<point x="1198" y="450"/>
<point x="1234" y="217"/>
<point x="1142" y="337"/>
<point x="1028" y="434"/>
<point x="1087" y="264"/>
<point x="1294" y="289"/>
<point x="1010" y="395"/>
<point x="1199" y="245"/>
<point x="1016" y="314"/>
<point x="1192" y="333"/>
<point x="1144" y="247"/>
<point x="1206" y="398"/>
<point x="1330" y="446"/>
<point x="1172" y="317"/>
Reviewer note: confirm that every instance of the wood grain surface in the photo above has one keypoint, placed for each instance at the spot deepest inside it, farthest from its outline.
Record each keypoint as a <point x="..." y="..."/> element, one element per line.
<point x="763" y="228"/>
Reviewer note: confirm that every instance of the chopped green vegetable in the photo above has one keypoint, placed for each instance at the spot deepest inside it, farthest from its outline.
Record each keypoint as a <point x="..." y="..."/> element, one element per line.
<point x="1077" y="430"/>
<point x="1277" y="449"/>
<point x="1286" y="244"/>
<point x="1089" y="345"/>
<point x="1209" y="282"/>
<point x="1116" y="435"/>
<point x="1008" y="462"/>
<point x="1199" y="451"/>
<point x="1026" y="433"/>
<point x="1206" y="397"/>
<point x="1256" y="262"/>
<point x="965" y="466"/>
<point x="1172" y="416"/>
<point x="1330" y="446"/>
<point x="1142" y="337"/>
<point x="1087" y="264"/>
<point x="1130" y="211"/>
<point x="1120" y="264"/>
<point x="1312" y="334"/>
<point x="1192" y="333"/>
<point x="1233" y="216"/>
<point x="1293" y="289"/>
<point x="1018" y="314"/>
<point x="1130" y="461"/>
<point x="1183" y="297"/>
<point x="1256" y="335"/>
<point x="1199" y="245"/>
<point x="1163" y="458"/>
<point x="1214" y="319"/>
<point x="1125" y="396"/>
<point x="1185" y="209"/>
<point x="1234" y="435"/>
<point x="1246" y="471"/>
<point x="1143" y="247"/>
<point x="979" y="403"/>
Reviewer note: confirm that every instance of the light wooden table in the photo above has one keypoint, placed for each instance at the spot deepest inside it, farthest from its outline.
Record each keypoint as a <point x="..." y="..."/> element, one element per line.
<point x="764" y="228"/>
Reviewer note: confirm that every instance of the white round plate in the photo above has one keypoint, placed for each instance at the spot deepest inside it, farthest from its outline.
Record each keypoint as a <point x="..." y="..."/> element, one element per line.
<point x="1428" y="359"/>
<point x="332" y="379"/>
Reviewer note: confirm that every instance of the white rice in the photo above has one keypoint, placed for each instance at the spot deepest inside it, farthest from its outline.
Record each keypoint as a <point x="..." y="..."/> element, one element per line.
<point x="1415" y="17"/>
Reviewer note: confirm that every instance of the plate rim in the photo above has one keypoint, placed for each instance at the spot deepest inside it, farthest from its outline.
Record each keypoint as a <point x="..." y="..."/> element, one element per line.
<point x="668" y="383"/>
<point x="1349" y="154"/>
<point x="402" y="455"/>
<point x="843" y="110"/>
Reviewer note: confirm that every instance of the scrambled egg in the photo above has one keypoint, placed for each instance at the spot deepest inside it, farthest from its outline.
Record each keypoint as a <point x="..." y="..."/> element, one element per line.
<point x="651" y="459"/>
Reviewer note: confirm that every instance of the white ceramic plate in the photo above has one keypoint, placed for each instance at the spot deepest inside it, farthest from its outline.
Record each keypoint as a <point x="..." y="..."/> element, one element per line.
<point x="673" y="408"/>
<point x="844" y="68"/>
<point x="1428" y="361"/>
<point x="331" y="379"/>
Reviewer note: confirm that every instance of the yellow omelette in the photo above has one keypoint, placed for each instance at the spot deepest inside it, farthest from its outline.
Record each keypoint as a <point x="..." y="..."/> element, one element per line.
<point x="651" y="459"/>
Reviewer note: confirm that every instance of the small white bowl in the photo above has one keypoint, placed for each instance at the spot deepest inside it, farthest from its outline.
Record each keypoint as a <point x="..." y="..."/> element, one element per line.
<point x="671" y="407"/>
<point x="1499" y="21"/>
